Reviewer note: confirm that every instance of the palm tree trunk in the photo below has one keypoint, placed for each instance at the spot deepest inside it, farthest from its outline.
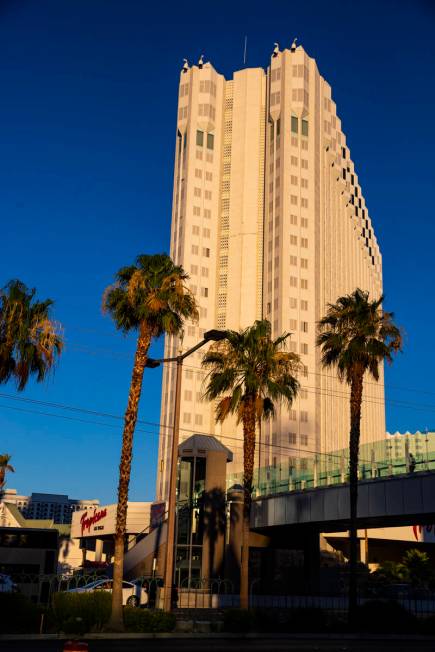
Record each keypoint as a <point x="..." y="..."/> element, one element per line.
<point x="355" y="422"/>
<point x="248" y="475"/>
<point x="116" y="619"/>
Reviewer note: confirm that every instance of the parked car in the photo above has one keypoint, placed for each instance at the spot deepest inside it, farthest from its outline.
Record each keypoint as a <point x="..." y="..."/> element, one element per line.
<point x="7" y="585"/>
<point x="132" y="594"/>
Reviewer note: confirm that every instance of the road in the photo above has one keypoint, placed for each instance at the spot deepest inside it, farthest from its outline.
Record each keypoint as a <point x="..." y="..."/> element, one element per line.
<point x="231" y="645"/>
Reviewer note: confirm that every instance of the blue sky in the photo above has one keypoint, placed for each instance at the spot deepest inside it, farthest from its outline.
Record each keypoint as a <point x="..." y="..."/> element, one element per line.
<point x="88" y="93"/>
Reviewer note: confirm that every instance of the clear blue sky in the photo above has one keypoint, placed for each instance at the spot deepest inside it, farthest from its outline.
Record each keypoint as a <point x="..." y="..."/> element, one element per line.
<point x="88" y="92"/>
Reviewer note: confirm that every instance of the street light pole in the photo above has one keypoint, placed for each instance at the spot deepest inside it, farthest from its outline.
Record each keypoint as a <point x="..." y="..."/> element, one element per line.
<point x="209" y="336"/>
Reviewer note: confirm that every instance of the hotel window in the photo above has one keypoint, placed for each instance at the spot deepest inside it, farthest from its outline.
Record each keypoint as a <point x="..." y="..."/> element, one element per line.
<point x="304" y="222"/>
<point x="304" y="348"/>
<point x="206" y="233"/>
<point x="293" y="180"/>
<point x="210" y="141"/>
<point x="292" y="437"/>
<point x="304" y="326"/>
<point x="293" y="302"/>
<point x="294" y="160"/>
<point x="204" y="271"/>
<point x="293" y="219"/>
<point x="197" y="192"/>
<point x="187" y="395"/>
<point x="198" y="419"/>
<point x="207" y="194"/>
<point x="194" y="269"/>
<point x="304" y="305"/>
<point x="199" y="138"/>
<point x="199" y="154"/>
<point x="208" y="176"/>
<point x="198" y="173"/>
<point x="304" y="416"/>
<point x="207" y="213"/>
<point x="304" y="263"/>
<point x="191" y="331"/>
<point x="293" y="324"/>
<point x="204" y="292"/>
<point x="304" y="183"/>
<point x="304" y="442"/>
<point x="303" y="393"/>
<point x="196" y="210"/>
<point x="304" y="203"/>
<point x="293" y="260"/>
<point x="305" y="371"/>
<point x="186" y="417"/>
<point x="195" y="250"/>
<point x="206" y="252"/>
<point x="304" y="129"/>
<point x="195" y="230"/>
<point x="304" y="284"/>
<point x="304" y="164"/>
<point x="292" y="415"/>
<point x="304" y="243"/>
<point x="294" y="124"/>
<point x="293" y="200"/>
<point x="293" y="282"/>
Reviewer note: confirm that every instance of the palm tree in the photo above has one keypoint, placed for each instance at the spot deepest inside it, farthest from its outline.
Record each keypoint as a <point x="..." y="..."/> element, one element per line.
<point x="30" y="342"/>
<point x="356" y="336"/>
<point x="249" y="372"/>
<point x="150" y="298"/>
<point x="5" y="466"/>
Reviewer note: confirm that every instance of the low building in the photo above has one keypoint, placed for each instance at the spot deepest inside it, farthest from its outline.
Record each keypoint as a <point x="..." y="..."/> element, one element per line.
<point x="58" y="507"/>
<point x="92" y="531"/>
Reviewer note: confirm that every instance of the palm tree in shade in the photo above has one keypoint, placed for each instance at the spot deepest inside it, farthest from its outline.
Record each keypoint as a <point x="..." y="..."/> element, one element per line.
<point x="150" y="298"/>
<point x="4" y="467"/>
<point x="249" y="373"/>
<point x="30" y="341"/>
<point x="355" y="336"/>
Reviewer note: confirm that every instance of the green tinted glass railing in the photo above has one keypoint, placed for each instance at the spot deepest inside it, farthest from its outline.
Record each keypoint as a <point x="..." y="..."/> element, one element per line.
<point x="394" y="455"/>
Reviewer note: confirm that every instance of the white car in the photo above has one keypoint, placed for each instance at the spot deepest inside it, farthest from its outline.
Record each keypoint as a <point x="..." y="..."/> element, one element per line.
<point x="132" y="594"/>
<point x="7" y="585"/>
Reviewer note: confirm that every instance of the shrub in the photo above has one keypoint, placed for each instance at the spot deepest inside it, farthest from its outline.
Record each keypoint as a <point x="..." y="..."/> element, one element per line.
<point x="18" y="614"/>
<point x="78" y="613"/>
<point x="145" y="620"/>
<point x="384" y="616"/>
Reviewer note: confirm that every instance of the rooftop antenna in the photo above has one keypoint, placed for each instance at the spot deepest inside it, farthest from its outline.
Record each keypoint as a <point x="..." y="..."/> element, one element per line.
<point x="245" y="50"/>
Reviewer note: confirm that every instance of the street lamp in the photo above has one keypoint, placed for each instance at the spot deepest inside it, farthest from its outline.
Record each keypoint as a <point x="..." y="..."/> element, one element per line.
<point x="213" y="335"/>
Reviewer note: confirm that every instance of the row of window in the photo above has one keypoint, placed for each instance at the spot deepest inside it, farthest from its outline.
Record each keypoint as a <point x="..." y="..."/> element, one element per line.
<point x="205" y="251"/>
<point x="187" y="418"/>
<point x="207" y="86"/>
<point x="208" y="175"/>
<point x="206" y="212"/>
<point x="194" y="270"/>
<point x="294" y="241"/>
<point x="294" y="282"/>
<point x="203" y="290"/>
<point x="207" y="111"/>
<point x="294" y="200"/>
<point x="200" y="139"/>
<point x="205" y="232"/>
<point x="198" y="192"/>
<point x="208" y="156"/>
<point x="293" y="439"/>
<point x="295" y="125"/>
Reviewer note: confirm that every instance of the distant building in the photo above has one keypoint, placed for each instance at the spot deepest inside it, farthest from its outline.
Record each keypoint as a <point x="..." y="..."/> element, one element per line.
<point x="57" y="507"/>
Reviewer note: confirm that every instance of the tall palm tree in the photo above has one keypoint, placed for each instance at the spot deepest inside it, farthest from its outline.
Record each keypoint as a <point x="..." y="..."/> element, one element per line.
<point x="30" y="342"/>
<point x="5" y="466"/>
<point x="151" y="298"/>
<point x="356" y="335"/>
<point x="249" y="373"/>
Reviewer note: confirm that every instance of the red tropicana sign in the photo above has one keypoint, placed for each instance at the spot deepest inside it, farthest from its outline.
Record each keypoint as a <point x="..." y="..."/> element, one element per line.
<point x="87" y="521"/>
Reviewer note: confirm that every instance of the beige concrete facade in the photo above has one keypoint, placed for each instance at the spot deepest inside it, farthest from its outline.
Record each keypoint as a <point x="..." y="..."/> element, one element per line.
<point x="269" y="221"/>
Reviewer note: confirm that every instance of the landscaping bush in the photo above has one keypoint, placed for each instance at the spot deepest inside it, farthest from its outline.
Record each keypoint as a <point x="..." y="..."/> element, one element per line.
<point x="379" y="616"/>
<point x="18" y="615"/>
<point x="78" y="613"/>
<point x="145" y="620"/>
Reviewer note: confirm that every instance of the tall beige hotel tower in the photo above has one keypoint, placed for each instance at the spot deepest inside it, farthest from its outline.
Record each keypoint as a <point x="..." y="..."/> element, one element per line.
<point x="268" y="220"/>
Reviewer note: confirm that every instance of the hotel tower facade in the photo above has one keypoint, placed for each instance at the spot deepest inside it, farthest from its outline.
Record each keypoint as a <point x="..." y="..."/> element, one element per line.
<point x="268" y="220"/>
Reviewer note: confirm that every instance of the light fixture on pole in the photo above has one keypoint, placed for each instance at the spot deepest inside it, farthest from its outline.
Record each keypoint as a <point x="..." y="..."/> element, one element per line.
<point x="213" y="335"/>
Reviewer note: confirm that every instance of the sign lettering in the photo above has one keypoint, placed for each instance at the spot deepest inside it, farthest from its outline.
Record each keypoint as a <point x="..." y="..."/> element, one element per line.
<point x="86" y="521"/>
